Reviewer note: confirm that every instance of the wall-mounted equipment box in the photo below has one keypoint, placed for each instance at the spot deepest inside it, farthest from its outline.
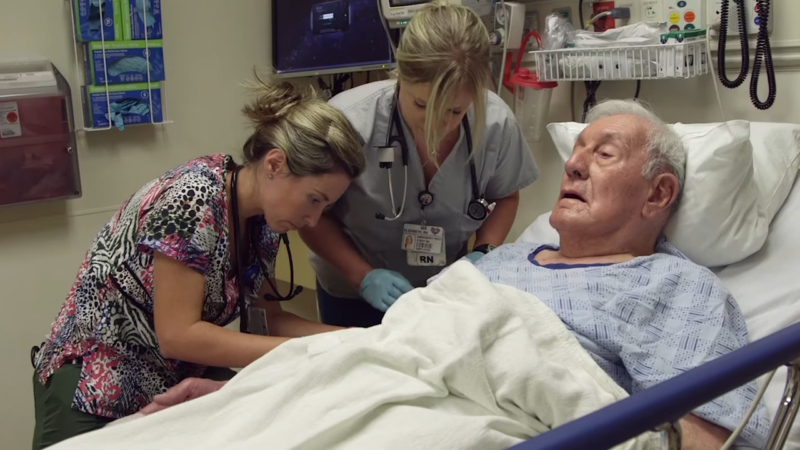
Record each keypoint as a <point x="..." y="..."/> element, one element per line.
<point x="38" y="151"/>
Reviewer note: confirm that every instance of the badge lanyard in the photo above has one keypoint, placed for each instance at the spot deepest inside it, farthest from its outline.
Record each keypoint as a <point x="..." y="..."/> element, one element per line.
<point x="243" y="275"/>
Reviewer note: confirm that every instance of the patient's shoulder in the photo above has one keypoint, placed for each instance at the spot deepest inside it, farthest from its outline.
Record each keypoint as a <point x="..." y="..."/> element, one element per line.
<point x="674" y="272"/>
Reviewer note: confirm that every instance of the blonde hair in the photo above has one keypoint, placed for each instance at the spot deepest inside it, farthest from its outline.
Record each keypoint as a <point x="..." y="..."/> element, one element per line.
<point x="316" y="137"/>
<point x="448" y="47"/>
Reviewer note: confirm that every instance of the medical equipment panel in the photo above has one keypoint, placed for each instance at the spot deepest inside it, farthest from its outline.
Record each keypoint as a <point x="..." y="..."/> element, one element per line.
<point x="751" y="7"/>
<point x="313" y="37"/>
<point x="397" y="13"/>
<point x="123" y="62"/>
<point x="684" y="14"/>
<point x="38" y="151"/>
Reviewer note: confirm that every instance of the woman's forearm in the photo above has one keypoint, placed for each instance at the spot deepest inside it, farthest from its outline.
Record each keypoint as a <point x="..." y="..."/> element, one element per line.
<point x="210" y="345"/>
<point x="496" y="227"/>
<point x="329" y="242"/>
<point x="290" y="325"/>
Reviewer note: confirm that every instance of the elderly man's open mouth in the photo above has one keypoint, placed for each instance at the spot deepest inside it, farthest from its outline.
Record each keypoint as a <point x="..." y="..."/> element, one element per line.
<point x="573" y="195"/>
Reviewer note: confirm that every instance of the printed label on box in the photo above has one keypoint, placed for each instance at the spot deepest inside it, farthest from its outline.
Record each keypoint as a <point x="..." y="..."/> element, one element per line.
<point x="9" y="121"/>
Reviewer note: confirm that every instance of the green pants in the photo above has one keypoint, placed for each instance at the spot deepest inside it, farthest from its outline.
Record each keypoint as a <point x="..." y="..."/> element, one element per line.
<point x="56" y="421"/>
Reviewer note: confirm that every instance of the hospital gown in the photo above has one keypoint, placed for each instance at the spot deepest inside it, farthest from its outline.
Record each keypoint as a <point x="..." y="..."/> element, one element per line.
<point x="642" y="321"/>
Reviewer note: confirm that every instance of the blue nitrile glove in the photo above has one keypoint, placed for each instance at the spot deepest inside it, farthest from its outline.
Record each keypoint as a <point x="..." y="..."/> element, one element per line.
<point x="474" y="256"/>
<point x="381" y="288"/>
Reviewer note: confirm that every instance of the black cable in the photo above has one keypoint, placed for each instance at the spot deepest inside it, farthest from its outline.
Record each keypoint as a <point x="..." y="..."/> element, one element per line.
<point x="580" y="14"/>
<point x="591" y="99"/>
<point x="763" y="52"/>
<point x="638" y="89"/>
<point x="367" y="78"/>
<point x="723" y="40"/>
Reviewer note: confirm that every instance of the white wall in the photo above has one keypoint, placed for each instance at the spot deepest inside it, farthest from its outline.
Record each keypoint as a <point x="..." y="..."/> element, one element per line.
<point x="42" y="246"/>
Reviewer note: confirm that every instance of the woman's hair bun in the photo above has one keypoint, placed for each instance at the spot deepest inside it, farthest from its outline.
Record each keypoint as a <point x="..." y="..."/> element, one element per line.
<point x="274" y="98"/>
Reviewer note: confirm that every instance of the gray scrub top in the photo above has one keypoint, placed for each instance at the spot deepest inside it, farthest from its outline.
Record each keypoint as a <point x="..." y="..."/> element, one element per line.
<point x="503" y="162"/>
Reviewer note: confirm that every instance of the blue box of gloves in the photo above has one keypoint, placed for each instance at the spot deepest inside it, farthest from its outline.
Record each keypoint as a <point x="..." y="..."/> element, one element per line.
<point x="142" y="17"/>
<point x="97" y="20"/>
<point x="131" y="104"/>
<point x="127" y="62"/>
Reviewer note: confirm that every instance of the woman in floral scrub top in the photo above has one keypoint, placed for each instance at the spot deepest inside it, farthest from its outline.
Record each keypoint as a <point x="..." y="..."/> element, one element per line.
<point x="159" y="282"/>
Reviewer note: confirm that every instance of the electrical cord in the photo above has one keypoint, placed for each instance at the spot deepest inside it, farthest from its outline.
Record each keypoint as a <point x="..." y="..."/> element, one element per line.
<point x="723" y="40"/>
<point x="763" y="56"/>
<point x="580" y="13"/>
<point x="638" y="89"/>
<point x="386" y="28"/>
<point x="716" y="85"/>
<point x="729" y="443"/>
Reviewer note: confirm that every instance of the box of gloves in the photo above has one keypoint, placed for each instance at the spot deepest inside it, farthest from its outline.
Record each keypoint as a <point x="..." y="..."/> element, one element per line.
<point x="130" y="104"/>
<point x="124" y="62"/>
<point x="98" y="20"/>
<point x="141" y="18"/>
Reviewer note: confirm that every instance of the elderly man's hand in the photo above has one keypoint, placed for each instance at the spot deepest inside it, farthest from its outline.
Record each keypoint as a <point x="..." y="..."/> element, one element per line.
<point x="188" y="389"/>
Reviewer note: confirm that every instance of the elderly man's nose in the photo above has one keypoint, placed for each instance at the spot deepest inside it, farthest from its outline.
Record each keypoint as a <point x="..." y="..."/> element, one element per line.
<point x="575" y="167"/>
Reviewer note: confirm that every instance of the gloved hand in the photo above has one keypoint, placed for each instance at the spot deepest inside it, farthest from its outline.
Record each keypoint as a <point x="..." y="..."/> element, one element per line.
<point x="381" y="288"/>
<point x="474" y="256"/>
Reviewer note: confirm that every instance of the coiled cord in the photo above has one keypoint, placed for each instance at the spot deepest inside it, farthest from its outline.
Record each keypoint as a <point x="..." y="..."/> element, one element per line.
<point x="763" y="55"/>
<point x="723" y="41"/>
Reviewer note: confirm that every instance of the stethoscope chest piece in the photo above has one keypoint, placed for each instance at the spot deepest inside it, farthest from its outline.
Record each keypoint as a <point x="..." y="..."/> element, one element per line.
<point x="477" y="210"/>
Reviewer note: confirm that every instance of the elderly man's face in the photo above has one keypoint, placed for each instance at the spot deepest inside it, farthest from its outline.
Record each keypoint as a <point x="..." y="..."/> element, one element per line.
<point x="603" y="187"/>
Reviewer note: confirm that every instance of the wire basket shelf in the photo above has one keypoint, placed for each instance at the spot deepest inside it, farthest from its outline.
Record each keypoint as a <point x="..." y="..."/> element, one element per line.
<point x="646" y="62"/>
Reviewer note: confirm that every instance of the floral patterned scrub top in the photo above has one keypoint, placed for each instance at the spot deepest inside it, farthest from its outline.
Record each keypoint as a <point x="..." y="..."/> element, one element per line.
<point x="107" y="319"/>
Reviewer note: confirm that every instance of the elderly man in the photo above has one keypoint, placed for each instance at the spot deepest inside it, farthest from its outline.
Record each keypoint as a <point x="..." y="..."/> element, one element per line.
<point x="642" y="310"/>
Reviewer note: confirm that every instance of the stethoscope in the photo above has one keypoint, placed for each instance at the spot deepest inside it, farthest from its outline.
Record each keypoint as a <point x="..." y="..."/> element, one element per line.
<point x="478" y="208"/>
<point x="251" y="272"/>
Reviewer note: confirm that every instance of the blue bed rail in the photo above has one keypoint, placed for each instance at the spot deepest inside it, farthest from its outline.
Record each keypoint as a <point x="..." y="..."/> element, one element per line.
<point x="669" y="401"/>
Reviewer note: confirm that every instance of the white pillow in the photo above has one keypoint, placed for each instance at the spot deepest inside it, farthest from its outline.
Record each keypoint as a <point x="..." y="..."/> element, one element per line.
<point x="727" y="205"/>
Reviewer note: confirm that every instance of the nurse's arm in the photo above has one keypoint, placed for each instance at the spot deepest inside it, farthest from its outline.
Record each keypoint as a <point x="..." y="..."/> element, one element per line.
<point x="329" y="242"/>
<point x="283" y="323"/>
<point x="183" y="335"/>
<point x="496" y="227"/>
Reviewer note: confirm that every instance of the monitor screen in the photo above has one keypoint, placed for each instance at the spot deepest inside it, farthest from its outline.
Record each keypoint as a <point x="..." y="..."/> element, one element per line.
<point x="324" y="36"/>
<point x="399" y="3"/>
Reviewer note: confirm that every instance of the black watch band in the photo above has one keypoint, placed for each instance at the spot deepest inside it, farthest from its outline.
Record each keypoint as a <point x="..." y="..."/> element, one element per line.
<point x="485" y="248"/>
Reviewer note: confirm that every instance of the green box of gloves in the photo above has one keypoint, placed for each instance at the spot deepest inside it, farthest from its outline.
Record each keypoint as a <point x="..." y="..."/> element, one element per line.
<point x="123" y="62"/>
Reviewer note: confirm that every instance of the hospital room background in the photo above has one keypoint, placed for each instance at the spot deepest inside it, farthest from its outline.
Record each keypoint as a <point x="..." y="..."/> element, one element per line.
<point x="211" y="47"/>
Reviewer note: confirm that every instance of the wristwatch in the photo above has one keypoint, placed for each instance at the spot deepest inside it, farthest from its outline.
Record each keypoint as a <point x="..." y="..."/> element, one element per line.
<point x="485" y="248"/>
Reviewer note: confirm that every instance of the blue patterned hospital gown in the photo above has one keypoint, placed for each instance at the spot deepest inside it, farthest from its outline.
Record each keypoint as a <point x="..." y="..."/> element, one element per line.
<point x="643" y="321"/>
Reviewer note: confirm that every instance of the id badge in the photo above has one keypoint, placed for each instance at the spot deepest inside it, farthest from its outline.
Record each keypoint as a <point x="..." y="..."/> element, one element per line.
<point x="427" y="259"/>
<point x="257" y="321"/>
<point x="422" y="239"/>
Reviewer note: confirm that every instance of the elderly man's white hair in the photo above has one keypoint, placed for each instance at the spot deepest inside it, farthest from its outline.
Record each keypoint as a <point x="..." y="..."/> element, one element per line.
<point x="665" y="152"/>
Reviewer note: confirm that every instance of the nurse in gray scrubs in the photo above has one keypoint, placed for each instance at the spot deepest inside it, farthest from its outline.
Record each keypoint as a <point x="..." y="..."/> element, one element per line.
<point x="445" y="160"/>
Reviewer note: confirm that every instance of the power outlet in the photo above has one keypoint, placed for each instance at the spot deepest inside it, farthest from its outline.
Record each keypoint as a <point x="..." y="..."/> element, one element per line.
<point x="652" y="11"/>
<point x="714" y="8"/>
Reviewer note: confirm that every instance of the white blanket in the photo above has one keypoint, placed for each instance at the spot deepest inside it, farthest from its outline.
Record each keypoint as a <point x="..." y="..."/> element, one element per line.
<point x="461" y="364"/>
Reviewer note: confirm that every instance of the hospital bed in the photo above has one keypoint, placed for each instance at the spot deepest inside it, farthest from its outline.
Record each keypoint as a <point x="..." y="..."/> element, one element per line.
<point x="766" y="286"/>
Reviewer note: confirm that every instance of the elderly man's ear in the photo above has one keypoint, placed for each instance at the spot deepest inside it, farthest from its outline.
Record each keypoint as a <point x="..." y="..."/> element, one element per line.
<point x="663" y="193"/>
